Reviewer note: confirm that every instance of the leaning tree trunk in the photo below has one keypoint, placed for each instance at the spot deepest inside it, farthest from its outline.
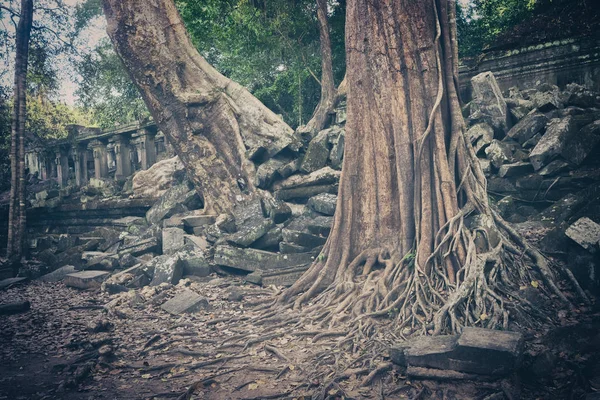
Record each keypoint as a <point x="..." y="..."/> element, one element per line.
<point x="400" y="246"/>
<point x="328" y="92"/>
<point x="215" y="125"/>
<point x="16" y="216"/>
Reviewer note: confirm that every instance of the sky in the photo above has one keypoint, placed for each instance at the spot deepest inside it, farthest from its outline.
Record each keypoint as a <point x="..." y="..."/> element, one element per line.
<point x="67" y="75"/>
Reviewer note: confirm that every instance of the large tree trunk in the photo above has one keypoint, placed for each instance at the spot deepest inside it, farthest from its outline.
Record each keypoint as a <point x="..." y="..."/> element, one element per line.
<point x="328" y="92"/>
<point x="215" y="125"/>
<point x="16" y="216"/>
<point x="400" y="245"/>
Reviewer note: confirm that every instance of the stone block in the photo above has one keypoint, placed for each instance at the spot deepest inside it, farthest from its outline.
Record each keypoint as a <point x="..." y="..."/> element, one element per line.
<point x="58" y="274"/>
<point x="269" y="171"/>
<point x="186" y="302"/>
<point x="178" y="199"/>
<point x="487" y="352"/>
<point x="85" y="279"/>
<point x="581" y="145"/>
<point x="498" y="153"/>
<point x="324" y="203"/>
<point x="105" y="261"/>
<point x="555" y="167"/>
<point x="528" y="127"/>
<point x="303" y="238"/>
<point x="323" y="176"/>
<point x="5" y="283"/>
<point x="480" y="135"/>
<point x="270" y="240"/>
<point x="194" y="262"/>
<point x="317" y="153"/>
<point x="140" y="247"/>
<point x="515" y="169"/>
<point x="558" y="133"/>
<point x="198" y="242"/>
<point x="167" y="269"/>
<point x="320" y="225"/>
<point x="475" y="351"/>
<point x="193" y="221"/>
<point x="278" y="277"/>
<point x="585" y="233"/>
<point x="250" y="232"/>
<point x="172" y="240"/>
<point x="305" y="192"/>
<point x="253" y="259"/>
<point x="336" y="155"/>
<point x="277" y="210"/>
<point x="292" y="248"/>
<point x="488" y="104"/>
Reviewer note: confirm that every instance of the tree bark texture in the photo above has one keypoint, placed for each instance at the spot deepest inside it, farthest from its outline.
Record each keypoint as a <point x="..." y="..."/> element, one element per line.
<point x="215" y="125"/>
<point x="400" y="243"/>
<point x="328" y="91"/>
<point x="16" y="216"/>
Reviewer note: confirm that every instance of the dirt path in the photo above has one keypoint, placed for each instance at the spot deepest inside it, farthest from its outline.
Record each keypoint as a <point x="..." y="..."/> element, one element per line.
<point x="69" y="346"/>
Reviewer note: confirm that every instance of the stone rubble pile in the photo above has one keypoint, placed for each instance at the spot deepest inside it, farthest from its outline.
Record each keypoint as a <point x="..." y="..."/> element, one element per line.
<point x="273" y="240"/>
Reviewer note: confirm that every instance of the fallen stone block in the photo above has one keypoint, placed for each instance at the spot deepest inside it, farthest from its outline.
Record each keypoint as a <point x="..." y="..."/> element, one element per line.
<point x="266" y="173"/>
<point x="126" y="222"/>
<point x="292" y="248"/>
<point x="303" y="238"/>
<point x="498" y="153"/>
<point x="585" y="233"/>
<point x="528" y="127"/>
<point x="253" y="259"/>
<point x="279" y="277"/>
<point x="581" y="145"/>
<point x="320" y="225"/>
<point x="305" y="192"/>
<point x="515" y="169"/>
<point x="558" y="132"/>
<point x="555" y="167"/>
<point x="167" y="269"/>
<point x="86" y="279"/>
<point x="9" y="282"/>
<point x="323" y="203"/>
<point x="177" y="199"/>
<point x="250" y="232"/>
<point x="172" y="240"/>
<point x="277" y="210"/>
<point x="198" y="242"/>
<point x="186" y="302"/>
<point x="488" y="104"/>
<point x="140" y="247"/>
<point x="58" y="275"/>
<point x="323" y="176"/>
<point x="480" y="135"/>
<point x="194" y="262"/>
<point x="475" y="351"/>
<point x="193" y="221"/>
<point x="106" y="261"/>
<point x="270" y="240"/>
<point x="317" y="153"/>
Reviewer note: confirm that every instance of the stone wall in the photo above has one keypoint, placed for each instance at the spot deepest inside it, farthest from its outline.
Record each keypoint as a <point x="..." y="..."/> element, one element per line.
<point x="559" y="63"/>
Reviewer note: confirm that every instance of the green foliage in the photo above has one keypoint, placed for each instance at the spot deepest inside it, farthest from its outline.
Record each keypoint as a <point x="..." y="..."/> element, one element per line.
<point x="48" y="119"/>
<point x="106" y="92"/>
<point x="271" y="47"/>
<point x="479" y="22"/>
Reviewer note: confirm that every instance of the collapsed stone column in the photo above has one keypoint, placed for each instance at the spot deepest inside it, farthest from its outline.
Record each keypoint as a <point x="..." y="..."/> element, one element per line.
<point x="100" y="159"/>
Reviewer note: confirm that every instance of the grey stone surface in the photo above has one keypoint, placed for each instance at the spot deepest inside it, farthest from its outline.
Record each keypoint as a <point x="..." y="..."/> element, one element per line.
<point x="554" y="168"/>
<point x="194" y="262"/>
<point x="140" y="247"/>
<point x="167" y="269"/>
<point x="305" y="192"/>
<point x="488" y="104"/>
<point x="279" y="277"/>
<point x="317" y="153"/>
<point x="85" y="279"/>
<point x="58" y="274"/>
<point x="178" y="199"/>
<point x="266" y="173"/>
<point x="515" y="169"/>
<point x="4" y="283"/>
<point x="585" y="233"/>
<point x="193" y="221"/>
<point x="558" y="132"/>
<point x="475" y="351"/>
<point x="324" y="203"/>
<point x="498" y="153"/>
<point x="304" y="239"/>
<point x="253" y="259"/>
<point x="528" y="127"/>
<point x="172" y="240"/>
<point x="480" y="135"/>
<point x="270" y="240"/>
<point x="581" y="145"/>
<point x="186" y="302"/>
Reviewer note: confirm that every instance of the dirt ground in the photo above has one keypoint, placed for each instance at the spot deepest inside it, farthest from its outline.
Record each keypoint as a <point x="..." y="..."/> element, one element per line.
<point x="76" y="344"/>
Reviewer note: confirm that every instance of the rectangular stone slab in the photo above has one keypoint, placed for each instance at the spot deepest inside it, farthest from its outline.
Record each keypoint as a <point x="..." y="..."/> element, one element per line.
<point x="431" y="351"/>
<point x="140" y="247"/>
<point x="282" y="277"/>
<point x="85" y="279"/>
<point x="253" y="259"/>
<point x="487" y="351"/>
<point x="185" y="302"/>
